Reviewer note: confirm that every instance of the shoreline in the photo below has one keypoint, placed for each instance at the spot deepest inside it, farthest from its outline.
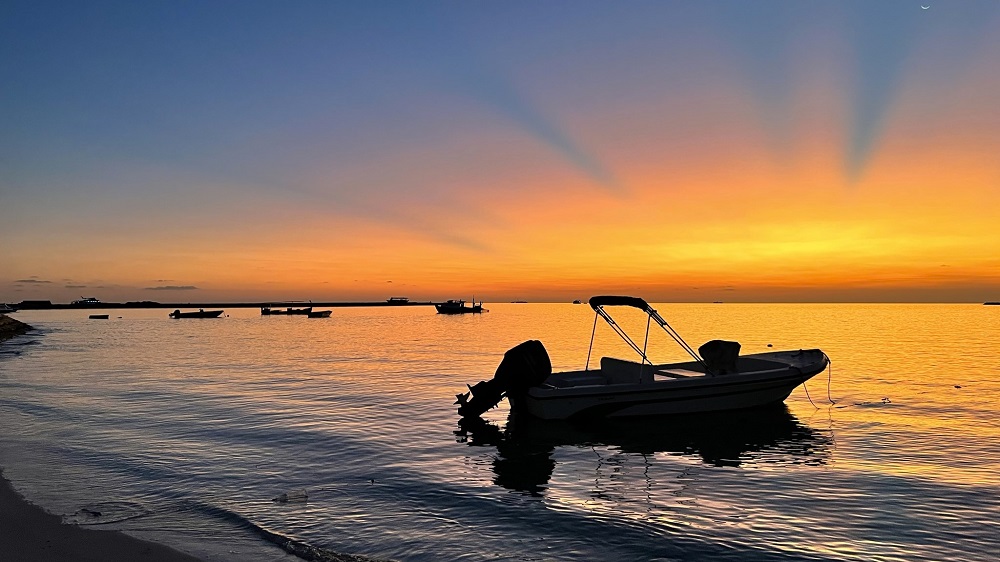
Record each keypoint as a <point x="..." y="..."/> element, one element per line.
<point x="10" y="327"/>
<point x="30" y="534"/>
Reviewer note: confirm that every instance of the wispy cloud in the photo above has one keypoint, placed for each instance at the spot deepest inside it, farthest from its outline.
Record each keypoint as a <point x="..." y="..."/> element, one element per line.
<point x="502" y="97"/>
<point x="474" y="73"/>
<point x="31" y="281"/>
<point x="344" y="199"/>
<point x="76" y="286"/>
<point x="172" y="288"/>
<point x="885" y="38"/>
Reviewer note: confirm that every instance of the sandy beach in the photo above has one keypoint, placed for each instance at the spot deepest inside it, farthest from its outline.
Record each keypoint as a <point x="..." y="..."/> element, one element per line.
<point x="29" y="534"/>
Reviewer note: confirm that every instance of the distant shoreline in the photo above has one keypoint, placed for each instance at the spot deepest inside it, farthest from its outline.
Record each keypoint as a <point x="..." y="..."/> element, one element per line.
<point x="45" y="305"/>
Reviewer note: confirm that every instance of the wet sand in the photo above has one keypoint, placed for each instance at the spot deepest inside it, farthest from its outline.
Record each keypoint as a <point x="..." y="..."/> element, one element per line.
<point x="29" y="534"/>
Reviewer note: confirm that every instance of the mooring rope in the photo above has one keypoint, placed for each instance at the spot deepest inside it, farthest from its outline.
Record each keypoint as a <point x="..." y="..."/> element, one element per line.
<point x="829" y="378"/>
<point x="806" y="388"/>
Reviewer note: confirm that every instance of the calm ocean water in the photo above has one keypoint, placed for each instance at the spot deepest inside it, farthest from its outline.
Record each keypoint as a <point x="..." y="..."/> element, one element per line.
<point x="186" y="431"/>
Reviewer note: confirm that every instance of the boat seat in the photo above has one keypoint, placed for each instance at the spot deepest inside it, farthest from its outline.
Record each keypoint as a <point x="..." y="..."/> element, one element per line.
<point x="579" y="379"/>
<point x="678" y="373"/>
<point x="620" y="371"/>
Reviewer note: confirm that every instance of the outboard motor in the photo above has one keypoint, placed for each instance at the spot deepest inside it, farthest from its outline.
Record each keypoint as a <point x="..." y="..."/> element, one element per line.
<point x="524" y="366"/>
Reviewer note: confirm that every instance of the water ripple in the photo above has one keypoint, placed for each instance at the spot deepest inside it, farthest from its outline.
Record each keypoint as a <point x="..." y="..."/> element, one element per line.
<point x="192" y="429"/>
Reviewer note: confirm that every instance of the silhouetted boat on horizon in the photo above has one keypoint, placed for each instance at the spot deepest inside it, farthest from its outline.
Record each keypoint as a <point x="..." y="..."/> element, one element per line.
<point x="201" y="313"/>
<point x="268" y="311"/>
<point x="717" y="380"/>
<point x="320" y="313"/>
<point x="458" y="307"/>
<point x="98" y="317"/>
<point x="398" y="300"/>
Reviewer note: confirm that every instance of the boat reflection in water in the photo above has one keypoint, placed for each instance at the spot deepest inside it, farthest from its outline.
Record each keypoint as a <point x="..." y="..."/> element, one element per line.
<point x="768" y="435"/>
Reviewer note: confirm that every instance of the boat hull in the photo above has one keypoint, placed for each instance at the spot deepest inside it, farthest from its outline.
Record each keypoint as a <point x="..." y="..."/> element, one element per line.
<point x="687" y="395"/>
<point x="200" y="314"/>
<point x="443" y="309"/>
<point x="265" y="311"/>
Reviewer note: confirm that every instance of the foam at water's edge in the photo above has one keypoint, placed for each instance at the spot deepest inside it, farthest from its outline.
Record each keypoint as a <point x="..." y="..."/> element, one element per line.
<point x="295" y="547"/>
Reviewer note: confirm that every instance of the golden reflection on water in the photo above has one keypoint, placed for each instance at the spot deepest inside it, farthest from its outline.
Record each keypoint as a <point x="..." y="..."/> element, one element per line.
<point x="916" y="386"/>
<point x="370" y="391"/>
<point x="903" y="372"/>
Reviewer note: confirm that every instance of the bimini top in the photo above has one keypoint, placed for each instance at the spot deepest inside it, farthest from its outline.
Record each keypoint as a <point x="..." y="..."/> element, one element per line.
<point x="599" y="302"/>
<point x="610" y="300"/>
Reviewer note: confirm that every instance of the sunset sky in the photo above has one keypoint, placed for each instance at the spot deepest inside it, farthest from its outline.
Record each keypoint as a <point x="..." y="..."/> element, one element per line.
<point x="678" y="151"/>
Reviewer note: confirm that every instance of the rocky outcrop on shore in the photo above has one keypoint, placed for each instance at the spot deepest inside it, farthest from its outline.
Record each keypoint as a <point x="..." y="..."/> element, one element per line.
<point x="10" y="327"/>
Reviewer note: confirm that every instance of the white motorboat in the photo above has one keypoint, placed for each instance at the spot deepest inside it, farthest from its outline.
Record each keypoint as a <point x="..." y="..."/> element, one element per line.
<point x="717" y="378"/>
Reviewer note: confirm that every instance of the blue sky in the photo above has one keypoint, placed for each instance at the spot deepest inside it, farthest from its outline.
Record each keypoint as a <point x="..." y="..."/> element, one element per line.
<point x="383" y="112"/>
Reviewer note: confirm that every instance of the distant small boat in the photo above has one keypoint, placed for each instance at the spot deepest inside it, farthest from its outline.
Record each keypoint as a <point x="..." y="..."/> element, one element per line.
<point x="268" y="311"/>
<point x="398" y="300"/>
<point x="458" y="307"/>
<point x="5" y="308"/>
<point x="320" y="313"/>
<point x="577" y="301"/>
<point x="98" y="316"/>
<point x="201" y="313"/>
<point x="86" y="301"/>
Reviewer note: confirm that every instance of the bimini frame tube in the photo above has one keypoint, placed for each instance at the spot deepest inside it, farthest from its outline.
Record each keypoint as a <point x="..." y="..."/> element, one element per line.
<point x="591" y="348"/>
<point x="598" y="303"/>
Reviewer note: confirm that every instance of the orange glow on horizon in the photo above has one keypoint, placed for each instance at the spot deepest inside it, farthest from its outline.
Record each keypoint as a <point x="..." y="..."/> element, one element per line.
<point x="722" y="183"/>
